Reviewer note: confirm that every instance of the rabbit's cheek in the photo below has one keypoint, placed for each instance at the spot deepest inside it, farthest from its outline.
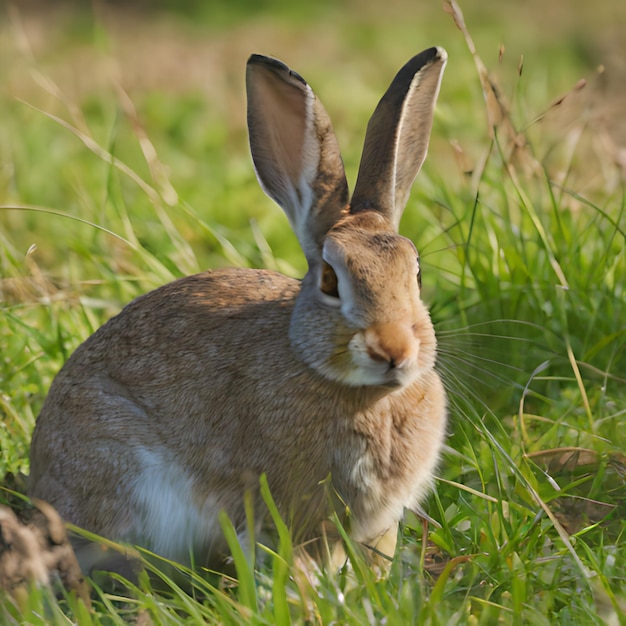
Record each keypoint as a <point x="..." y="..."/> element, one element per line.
<point x="364" y="370"/>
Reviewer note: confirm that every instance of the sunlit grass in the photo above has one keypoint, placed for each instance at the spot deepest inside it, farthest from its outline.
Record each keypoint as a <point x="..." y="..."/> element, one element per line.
<point x="106" y="195"/>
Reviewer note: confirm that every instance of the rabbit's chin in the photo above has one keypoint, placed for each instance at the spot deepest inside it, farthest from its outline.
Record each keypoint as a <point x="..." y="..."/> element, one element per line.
<point x="375" y="374"/>
<point x="392" y="380"/>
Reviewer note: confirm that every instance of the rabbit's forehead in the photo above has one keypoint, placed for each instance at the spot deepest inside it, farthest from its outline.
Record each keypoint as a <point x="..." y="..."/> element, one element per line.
<point x="376" y="274"/>
<point x="376" y="271"/>
<point x="361" y="251"/>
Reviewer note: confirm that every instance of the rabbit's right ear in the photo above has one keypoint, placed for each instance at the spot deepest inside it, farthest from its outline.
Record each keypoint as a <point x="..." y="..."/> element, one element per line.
<point x="295" y="151"/>
<point x="397" y="137"/>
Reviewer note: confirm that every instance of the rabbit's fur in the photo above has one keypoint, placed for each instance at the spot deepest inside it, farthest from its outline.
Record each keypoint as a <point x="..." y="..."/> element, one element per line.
<point x="173" y="409"/>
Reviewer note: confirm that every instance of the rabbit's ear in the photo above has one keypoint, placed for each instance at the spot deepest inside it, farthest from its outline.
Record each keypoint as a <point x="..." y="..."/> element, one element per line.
<point x="397" y="137"/>
<point x="295" y="151"/>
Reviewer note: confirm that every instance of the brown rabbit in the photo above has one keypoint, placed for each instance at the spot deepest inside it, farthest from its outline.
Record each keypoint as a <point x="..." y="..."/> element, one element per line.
<point x="173" y="409"/>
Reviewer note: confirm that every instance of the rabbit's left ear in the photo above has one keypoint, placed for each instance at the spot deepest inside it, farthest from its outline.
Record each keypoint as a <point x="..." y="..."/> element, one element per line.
<point x="397" y="137"/>
<point x="295" y="151"/>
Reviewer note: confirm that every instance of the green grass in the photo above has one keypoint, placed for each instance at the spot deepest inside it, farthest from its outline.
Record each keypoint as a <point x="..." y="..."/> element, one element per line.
<point x="524" y="269"/>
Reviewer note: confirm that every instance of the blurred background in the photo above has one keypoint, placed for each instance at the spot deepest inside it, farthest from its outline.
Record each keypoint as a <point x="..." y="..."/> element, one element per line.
<point x="182" y="65"/>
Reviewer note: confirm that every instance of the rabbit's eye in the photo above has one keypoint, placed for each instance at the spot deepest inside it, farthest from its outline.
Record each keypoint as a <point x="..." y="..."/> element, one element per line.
<point x="419" y="275"/>
<point x="329" y="281"/>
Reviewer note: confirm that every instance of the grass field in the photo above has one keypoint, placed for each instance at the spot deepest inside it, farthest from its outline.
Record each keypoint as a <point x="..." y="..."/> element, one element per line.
<point x="124" y="164"/>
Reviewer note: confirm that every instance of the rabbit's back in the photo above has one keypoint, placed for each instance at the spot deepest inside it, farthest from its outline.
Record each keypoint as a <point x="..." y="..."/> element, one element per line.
<point x="161" y="351"/>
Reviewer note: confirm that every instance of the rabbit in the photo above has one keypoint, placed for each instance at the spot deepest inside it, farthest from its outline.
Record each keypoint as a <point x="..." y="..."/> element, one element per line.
<point x="173" y="410"/>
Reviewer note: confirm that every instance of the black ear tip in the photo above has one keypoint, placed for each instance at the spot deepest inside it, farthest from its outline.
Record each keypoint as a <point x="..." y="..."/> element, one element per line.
<point x="437" y="52"/>
<point x="428" y="56"/>
<point x="440" y="54"/>
<point x="274" y="65"/>
<point x="261" y="59"/>
<point x="256" y="58"/>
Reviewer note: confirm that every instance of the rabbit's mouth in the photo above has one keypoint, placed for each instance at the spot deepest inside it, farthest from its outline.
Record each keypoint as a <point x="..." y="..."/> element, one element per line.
<point x="399" y="378"/>
<point x="375" y="375"/>
<point x="373" y="365"/>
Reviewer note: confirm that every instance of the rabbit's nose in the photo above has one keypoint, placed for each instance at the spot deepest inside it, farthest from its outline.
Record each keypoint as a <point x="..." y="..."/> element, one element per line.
<point x="392" y="343"/>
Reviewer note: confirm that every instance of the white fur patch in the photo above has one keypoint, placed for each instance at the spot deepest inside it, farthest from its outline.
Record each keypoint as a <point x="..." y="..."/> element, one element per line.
<point x="169" y="522"/>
